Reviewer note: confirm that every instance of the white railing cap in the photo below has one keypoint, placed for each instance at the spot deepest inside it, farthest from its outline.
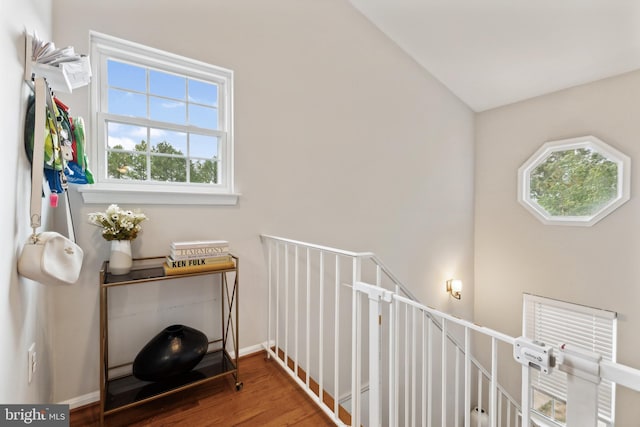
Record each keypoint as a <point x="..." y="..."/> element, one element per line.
<point x="318" y="247"/>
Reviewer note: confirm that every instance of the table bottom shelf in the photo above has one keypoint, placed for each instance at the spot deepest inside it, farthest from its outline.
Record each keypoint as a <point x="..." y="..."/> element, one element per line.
<point x="129" y="391"/>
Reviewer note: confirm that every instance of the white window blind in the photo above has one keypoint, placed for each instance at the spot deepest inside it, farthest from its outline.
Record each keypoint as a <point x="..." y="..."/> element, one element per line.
<point x="555" y="323"/>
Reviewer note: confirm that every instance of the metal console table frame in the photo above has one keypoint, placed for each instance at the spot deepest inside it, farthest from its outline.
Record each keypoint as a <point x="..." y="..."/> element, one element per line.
<point x="122" y="392"/>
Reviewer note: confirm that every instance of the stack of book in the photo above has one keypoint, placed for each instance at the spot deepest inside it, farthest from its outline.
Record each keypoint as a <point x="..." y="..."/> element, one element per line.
<point x="198" y="256"/>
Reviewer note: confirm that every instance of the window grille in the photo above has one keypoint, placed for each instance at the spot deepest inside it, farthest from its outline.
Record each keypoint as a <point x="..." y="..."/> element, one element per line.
<point x="161" y="123"/>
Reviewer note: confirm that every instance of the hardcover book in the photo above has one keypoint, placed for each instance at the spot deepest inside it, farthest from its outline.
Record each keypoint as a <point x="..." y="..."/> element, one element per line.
<point x="199" y="244"/>
<point x="169" y="271"/>
<point x="175" y="263"/>
<point x="201" y="252"/>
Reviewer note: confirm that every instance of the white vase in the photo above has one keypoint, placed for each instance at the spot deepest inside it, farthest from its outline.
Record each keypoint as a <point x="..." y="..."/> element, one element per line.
<point x="120" y="260"/>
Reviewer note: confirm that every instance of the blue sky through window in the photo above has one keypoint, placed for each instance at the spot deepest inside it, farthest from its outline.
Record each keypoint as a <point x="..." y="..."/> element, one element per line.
<point x="203" y="93"/>
<point x="136" y="91"/>
<point x="167" y="85"/>
<point x="126" y="76"/>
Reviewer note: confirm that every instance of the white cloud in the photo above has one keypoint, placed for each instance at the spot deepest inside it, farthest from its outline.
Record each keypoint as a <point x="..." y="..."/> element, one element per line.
<point x="125" y="142"/>
<point x="128" y="136"/>
<point x="172" y="104"/>
<point x="158" y="134"/>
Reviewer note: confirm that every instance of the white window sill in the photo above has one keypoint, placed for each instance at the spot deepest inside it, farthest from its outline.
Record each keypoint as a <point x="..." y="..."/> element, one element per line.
<point x="151" y="195"/>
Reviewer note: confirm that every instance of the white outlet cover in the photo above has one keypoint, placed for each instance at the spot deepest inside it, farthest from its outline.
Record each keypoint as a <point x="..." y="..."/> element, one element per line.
<point x="31" y="361"/>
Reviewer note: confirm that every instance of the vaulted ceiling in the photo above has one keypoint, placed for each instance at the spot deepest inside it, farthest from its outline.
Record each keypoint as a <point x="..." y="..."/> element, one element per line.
<point x="496" y="52"/>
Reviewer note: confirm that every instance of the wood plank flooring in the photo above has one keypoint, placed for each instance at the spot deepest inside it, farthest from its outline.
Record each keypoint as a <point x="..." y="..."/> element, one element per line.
<point x="269" y="398"/>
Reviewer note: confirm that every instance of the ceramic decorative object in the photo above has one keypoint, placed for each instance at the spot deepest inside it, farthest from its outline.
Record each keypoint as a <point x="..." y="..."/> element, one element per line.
<point x="173" y="352"/>
<point x="120" y="259"/>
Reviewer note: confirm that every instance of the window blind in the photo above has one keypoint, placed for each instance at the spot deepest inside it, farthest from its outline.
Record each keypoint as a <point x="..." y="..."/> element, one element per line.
<point x="554" y="323"/>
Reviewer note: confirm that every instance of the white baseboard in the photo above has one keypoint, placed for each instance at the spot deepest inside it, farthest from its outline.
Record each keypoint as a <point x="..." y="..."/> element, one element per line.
<point x="251" y="349"/>
<point x="94" y="396"/>
<point x="86" y="399"/>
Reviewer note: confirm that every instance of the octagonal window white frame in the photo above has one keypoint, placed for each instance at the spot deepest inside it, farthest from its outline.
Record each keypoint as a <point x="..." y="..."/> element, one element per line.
<point x="591" y="142"/>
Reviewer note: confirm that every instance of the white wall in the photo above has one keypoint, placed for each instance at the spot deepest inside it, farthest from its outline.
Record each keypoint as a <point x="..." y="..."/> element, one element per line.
<point x="24" y="310"/>
<point x="515" y="253"/>
<point x="341" y="140"/>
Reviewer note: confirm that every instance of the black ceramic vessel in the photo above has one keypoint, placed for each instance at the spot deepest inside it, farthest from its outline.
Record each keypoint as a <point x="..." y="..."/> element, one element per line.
<point x="173" y="352"/>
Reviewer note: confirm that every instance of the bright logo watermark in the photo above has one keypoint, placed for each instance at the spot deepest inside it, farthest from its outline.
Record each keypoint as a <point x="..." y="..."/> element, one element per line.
<point x="36" y="415"/>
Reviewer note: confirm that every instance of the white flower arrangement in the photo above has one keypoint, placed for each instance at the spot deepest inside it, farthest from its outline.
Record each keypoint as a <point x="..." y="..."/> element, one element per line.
<point x="118" y="224"/>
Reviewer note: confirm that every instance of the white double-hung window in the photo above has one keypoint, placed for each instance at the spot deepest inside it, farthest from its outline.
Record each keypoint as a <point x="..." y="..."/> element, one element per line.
<point x="161" y="128"/>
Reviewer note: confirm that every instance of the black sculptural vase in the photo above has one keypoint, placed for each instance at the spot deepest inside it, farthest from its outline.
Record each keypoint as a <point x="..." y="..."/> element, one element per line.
<point x="173" y="352"/>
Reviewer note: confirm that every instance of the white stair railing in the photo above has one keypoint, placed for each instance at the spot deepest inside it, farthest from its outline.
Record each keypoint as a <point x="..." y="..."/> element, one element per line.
<point x="360" y="345"/>
<point x="427" y="379"/>
<point x="312" y="323"/>
<point x="310" y="319"/>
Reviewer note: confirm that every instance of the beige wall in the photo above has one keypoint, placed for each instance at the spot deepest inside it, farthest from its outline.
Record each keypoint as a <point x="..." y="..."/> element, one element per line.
<point x="24" y="310"/>
<point x="515" y="253"/>
<point x="341" y="140"/>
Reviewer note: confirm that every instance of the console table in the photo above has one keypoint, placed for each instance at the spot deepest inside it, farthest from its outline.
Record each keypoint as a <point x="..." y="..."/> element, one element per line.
<point x="125" y="391"/>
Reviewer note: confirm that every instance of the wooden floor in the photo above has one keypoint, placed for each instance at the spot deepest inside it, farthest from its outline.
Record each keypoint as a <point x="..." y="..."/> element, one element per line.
<point x="269" y="398"/>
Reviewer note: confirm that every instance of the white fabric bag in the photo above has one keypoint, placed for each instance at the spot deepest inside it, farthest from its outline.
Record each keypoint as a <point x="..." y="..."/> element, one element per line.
<point x="51" y="258"/>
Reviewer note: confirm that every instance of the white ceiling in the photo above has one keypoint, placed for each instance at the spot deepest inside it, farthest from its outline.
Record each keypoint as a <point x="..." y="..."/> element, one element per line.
<point x="495" y="52"/>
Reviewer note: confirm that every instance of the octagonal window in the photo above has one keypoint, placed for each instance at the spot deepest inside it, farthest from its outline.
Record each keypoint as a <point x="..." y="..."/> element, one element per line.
<point x="574" y="181"/>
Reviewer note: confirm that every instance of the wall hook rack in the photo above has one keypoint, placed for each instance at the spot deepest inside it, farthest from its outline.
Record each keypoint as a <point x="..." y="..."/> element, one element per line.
<point x="63" y="69"/>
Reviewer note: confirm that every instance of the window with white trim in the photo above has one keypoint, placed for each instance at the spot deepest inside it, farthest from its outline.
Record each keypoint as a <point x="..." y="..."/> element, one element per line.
<point x="162" y="127"/>
<point x="576" y="181"/>
<point x="555" y="323"/>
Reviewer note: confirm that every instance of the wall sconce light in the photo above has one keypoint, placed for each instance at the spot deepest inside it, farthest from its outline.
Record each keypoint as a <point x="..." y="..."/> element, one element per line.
<point x="454" y="287"/>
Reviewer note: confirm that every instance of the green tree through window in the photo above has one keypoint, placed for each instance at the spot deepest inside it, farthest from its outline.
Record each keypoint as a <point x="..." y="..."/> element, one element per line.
<point x="167" y="164"/>
<point x="574" y="182"/>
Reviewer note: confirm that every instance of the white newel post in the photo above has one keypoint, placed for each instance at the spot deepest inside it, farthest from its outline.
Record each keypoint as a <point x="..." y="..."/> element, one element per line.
<point x="375" y="295"/>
